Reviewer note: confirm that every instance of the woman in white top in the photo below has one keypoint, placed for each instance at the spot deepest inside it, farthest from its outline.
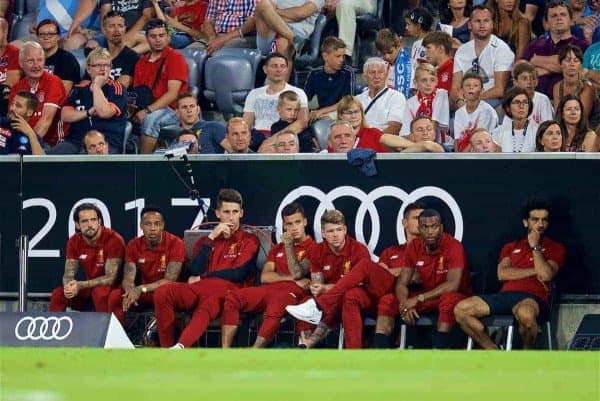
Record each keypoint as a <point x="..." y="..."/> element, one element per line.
<point x="516" y="134"/>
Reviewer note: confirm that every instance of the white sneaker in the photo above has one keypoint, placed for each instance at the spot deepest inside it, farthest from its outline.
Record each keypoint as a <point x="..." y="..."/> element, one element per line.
<point x="307" y="311"/>
<point x="177" y="346"/>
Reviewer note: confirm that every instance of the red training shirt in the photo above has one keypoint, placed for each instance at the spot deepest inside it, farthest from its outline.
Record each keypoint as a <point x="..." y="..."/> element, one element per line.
<point x="521" y="257"/>
<point x="278" y="256"/>
<point x="152" y="262"/>
<point x="393" y="256"/>
<point x="334" y="266"/>
<point x="444" y="75"/>
<point x="92" y="257"/>
<point x="433" y="268"/>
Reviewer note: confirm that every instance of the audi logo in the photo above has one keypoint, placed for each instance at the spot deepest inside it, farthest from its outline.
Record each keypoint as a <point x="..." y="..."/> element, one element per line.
<point x="367" y="206"/>
<point x="43" y="328"/>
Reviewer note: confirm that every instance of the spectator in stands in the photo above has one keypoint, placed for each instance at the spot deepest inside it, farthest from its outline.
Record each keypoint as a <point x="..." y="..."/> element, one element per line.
<point x="330" y="260"/>
<point x="100" y="250"/>
<point x="284" y="281"/>
<point x="123" y="58"/>
<point x="189" y="137"/>
<point x="286" y="142"/>
<point x="511" y="26"/>
<point x="550" y="137"/>
<point x="438" y="46"/>
<point x="59" y="62"/>
<point x="429" y="101"/>
<point x="137" y="14"/>
<point x="94" y="143"/>
<point x="230" y="23"/>
<point x="580" y="138"/>
<point x="474" y="114"/>
<point x="454" y="20"/>
<point x="534" y="12"/>
<point x="390" y="45"/>
<point x="345" y="13"/>
<point x="99" y="104"/>
<point x="47" y="87"/>
<point x="164" y="71"/>
<point x="422" y="134"/>
<point x="585" y="20"/>
<point x="238" y="136"/>
<point x="74" y="26"/>
<point x="526" y="269"/>
<point x="418" y="24"/>
<point x="288" y="106"/>
<point x="341" y="138"/>
<point x="185" y="22"/>
<point x="288" y="23"/>
<point x="574" y="82"/>
<point x="223" y="261"/>
<point x="158" y="256"/>
<point x="517" y="132"/>
<point x="16" y="135"/>
<point x="486" y="55"/>
<point x="383" y="107"/>
<point x="260" y="109"/>
<point x="543" y="52"/>
<point x="482" y="142"/>
<point x="10" y="72"/>
<point x="210" y="134"/>
<point x="330" y="82"/>
<point x="525" y="77"/>
<point x="441" y="263"/>
<point x="358" y="292"/>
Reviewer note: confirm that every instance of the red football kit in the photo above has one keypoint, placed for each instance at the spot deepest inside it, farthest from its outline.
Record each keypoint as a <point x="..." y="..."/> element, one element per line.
<point x="360" y="290"/>
<point x="49" y="92"/>
<point x="174" y="69"/>
<point x="270" y="299"/>
<point x="444" y="75"/>
<point x="9" y="61"/>
<point x="223" y="265"/>
<point x="433" y="269"/>
<point x="521" y="257"/>
<point x="152" y="265"/>
<point x="92" y="257"/>
<point x="335" y="265"/>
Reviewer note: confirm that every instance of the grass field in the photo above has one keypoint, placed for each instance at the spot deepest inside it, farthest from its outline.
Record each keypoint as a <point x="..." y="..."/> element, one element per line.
<point x="36" y="374"/>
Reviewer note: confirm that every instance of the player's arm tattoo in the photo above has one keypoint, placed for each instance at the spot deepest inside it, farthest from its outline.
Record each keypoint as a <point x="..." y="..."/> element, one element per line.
<point x="129" y="276"/>
<point x="317" y="278"/>
<point x="296" y="267"/>
<point x="111" y="267"/>
<point x="71" y="266"/>
<point x="173" y="270"/>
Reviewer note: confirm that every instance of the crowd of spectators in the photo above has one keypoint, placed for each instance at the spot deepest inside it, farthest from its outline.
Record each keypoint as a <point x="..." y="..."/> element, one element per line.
<point x="482" y="67"/>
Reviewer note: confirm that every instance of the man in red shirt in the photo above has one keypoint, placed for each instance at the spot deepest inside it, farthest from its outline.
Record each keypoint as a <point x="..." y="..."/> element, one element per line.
<point x="526" y="268"/>
<point x="100" y="251"/>
<point x="224" y="261"/>
<point x="284" y="279"/>
<point x="330" y="260"/>
<point x="441" y="263"/>
<point x="360" y="289"/>
<point x="438" y="46"/>
<point x="164" y="71"/>
<point x="48" y="88"/>
<point x="157" y="254"/>
<point x="10" y="72"/>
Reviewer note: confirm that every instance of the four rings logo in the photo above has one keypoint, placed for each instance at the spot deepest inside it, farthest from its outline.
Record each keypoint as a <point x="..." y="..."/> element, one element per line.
<point x="43" y="328"/>
<point x="367" y="206"/>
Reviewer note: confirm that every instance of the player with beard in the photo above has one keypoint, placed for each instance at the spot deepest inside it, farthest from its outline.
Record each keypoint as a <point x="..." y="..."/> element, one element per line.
<point x="526" y="269"/>
<point x="100" y="251"/>
<point x="158" y="256"/>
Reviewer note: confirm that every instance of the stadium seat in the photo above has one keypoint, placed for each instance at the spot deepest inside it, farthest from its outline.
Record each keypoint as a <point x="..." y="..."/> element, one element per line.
<point x="193" y="76"/>
<point x="321" y="130"/>
<point x="508" y="322"/>
<point x="253" y="56"/>
<point x="199" y="56"/>
<point x="80" y="56"/>
<point x="228" y="80"/>
<point x="309" y="53"/>
<point x="426" y="320"/>
<point x="367" y="26"/>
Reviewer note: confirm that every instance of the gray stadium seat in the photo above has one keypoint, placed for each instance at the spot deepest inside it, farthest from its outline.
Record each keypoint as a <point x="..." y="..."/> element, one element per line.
<point x="80" y="56"/>
<point x="321" y="130"/>
<point x="308" y="54"/>
<point x="228" y="80"/>
<point x="367" y="26"/>
<point x="193" y="76"/>
<point x="252" y="55"/>
<point x="126" y="135"/>
<point x="199" y="56"/>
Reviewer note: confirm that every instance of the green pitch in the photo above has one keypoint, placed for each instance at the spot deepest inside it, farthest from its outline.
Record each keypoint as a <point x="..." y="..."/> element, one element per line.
<point x="211" y="374"/>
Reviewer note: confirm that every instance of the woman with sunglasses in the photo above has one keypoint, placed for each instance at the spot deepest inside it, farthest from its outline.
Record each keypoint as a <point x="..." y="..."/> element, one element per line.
<point x="579" y="137"/>
<point x="517" y="132"/>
